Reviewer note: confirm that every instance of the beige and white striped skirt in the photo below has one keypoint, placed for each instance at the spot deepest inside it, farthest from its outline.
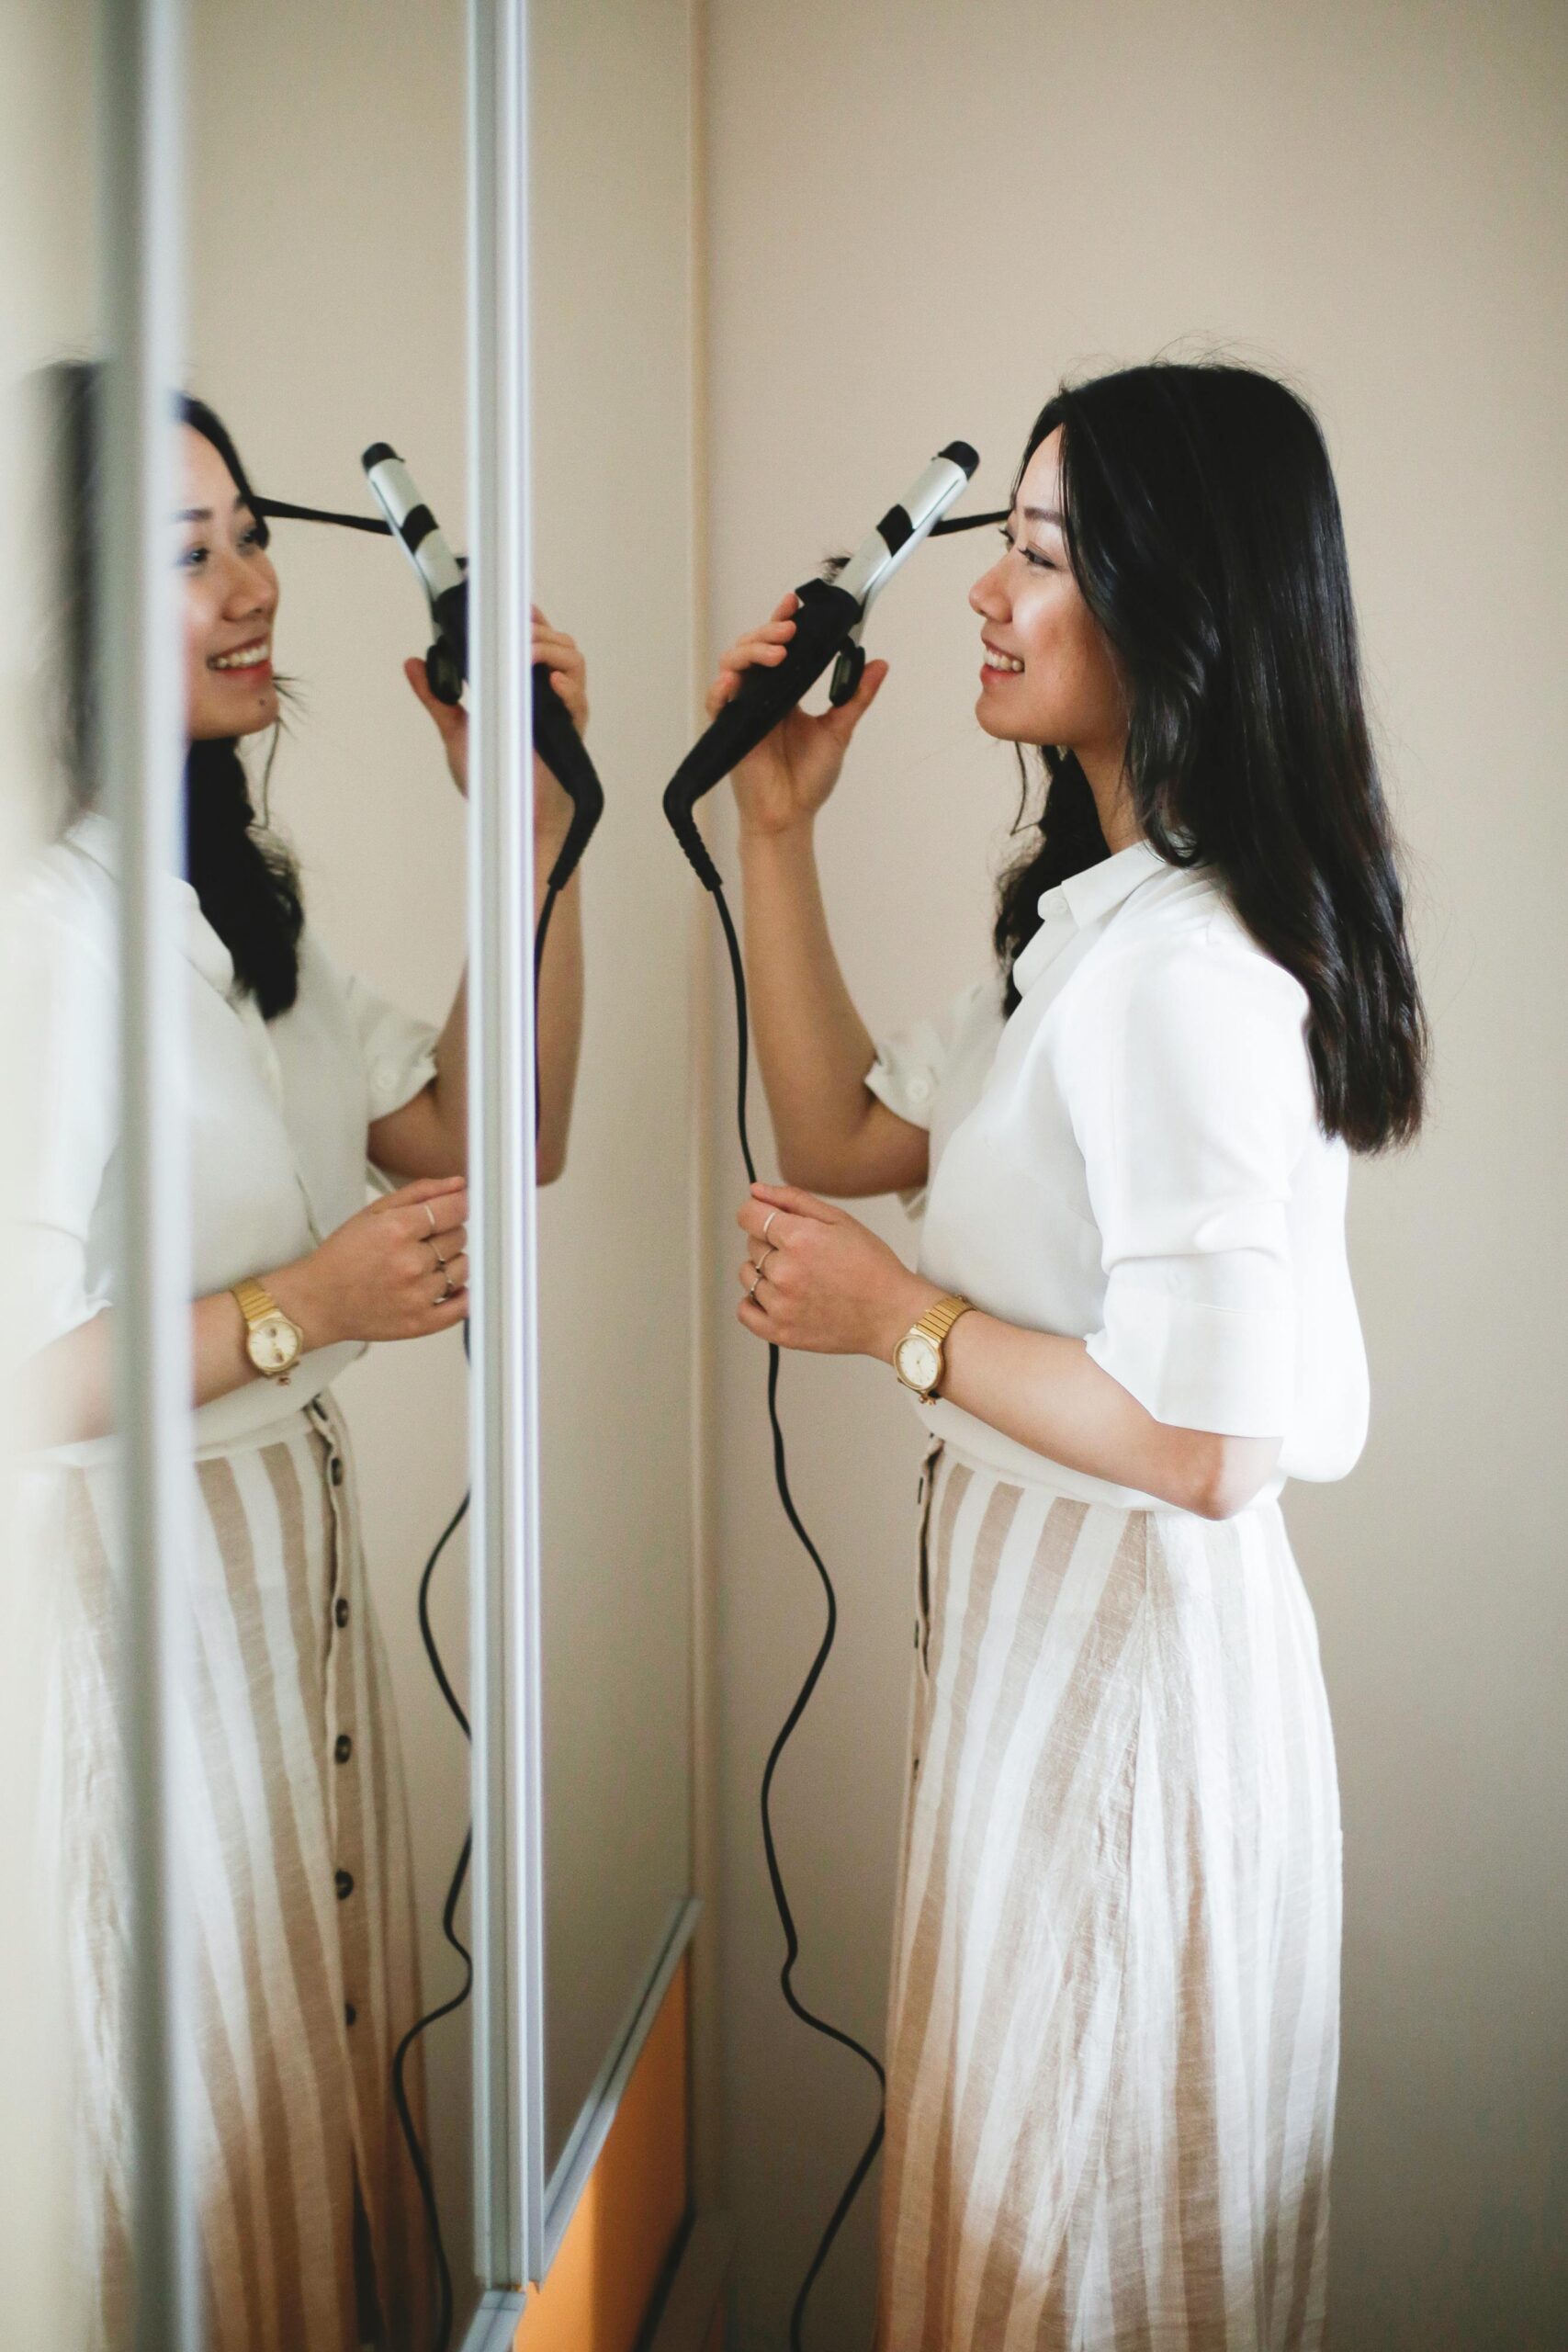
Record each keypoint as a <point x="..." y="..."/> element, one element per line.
<point x="303" y="1959"/>
<point x="1114" y="2026"/>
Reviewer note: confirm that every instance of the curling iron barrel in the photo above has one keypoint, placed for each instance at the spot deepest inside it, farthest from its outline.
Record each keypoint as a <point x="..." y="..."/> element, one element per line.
<point x="828" y="625"/>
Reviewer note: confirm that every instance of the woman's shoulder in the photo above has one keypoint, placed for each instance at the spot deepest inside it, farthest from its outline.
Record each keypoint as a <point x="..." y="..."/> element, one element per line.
<point x="63" y="900"/>
<point x="1182" y="943"/>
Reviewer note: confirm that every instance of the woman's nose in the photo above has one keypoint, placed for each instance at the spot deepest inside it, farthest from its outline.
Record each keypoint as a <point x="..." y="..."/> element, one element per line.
<point x="247" y="591"/>
<point x="987" y="596"/>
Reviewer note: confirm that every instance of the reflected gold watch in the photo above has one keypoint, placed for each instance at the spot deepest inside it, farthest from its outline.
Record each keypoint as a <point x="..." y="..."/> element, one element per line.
<point x="273" y="1339"/>
<point x="919" y="1359"/>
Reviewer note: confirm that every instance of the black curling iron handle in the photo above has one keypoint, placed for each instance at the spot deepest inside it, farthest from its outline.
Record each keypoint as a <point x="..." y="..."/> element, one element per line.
<point x="562" y="750"/>
<point x="823" y="619"/>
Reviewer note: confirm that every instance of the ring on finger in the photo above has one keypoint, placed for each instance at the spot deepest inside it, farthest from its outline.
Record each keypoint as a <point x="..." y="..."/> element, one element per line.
<point x="448" y="1292"/>
<point x="431" y="1243"/>
<point x="766" y="1222"/>
<point x="751" y="1285"/>
<point x="430" y="1213"/>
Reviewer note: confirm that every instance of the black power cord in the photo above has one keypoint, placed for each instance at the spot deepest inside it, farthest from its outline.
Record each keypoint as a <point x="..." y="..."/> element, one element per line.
<point x="780" y="1479"/>
<point x="417" y="2156"/>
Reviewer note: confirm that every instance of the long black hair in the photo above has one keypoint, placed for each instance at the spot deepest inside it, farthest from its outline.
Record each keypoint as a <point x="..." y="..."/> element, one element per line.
<point x="244" y="877"/>
<point x="1203" y="530"/>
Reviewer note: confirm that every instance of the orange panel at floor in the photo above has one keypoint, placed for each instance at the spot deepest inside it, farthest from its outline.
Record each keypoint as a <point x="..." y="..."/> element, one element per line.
<point x="620" y="2238"/>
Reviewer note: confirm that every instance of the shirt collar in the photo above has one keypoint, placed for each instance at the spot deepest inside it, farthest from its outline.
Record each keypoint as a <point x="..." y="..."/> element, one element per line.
<point x="98" y="838"/>
<point x="1099" y="889"/>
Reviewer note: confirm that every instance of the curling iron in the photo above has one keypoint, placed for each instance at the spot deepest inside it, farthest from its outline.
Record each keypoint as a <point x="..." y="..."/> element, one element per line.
<point x="444" y="580"/>
<point x="828" y="622"/>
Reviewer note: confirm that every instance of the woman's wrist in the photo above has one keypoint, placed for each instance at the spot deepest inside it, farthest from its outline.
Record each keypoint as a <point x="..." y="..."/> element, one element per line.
<point x="298" y="1293"/>
<point x="795" y="840"/>
<point x="907" y="1299"/>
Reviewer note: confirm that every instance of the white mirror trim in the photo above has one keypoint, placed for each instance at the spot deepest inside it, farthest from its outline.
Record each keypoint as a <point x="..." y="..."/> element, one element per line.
<point x="508" y="1879"/>
<point x="142" y="245"/>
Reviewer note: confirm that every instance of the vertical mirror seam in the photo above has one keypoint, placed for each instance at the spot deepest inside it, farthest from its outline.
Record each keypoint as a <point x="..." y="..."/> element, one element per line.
<point x="508" y="1906"/>
<point x="142" y="245"/>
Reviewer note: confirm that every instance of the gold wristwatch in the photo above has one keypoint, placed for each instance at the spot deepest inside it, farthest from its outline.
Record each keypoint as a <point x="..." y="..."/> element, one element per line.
<point x="273" y="1340"/>
<point x="920" y="1358"/>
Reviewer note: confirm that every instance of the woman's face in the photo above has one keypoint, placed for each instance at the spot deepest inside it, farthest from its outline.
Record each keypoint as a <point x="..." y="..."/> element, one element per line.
<point x="230" y="597"/>
<point x="1048" y="675"/>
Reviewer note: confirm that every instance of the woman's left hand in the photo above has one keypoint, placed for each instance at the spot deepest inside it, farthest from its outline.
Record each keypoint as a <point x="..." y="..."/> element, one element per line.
<point x="826" y="1284"/>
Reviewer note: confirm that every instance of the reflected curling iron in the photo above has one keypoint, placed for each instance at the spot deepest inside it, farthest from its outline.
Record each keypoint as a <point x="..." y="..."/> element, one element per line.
<point x="444" y="580"/>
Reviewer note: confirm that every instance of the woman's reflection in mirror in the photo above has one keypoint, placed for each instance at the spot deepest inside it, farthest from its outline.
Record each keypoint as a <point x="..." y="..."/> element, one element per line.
<point x="308" y="1089"/>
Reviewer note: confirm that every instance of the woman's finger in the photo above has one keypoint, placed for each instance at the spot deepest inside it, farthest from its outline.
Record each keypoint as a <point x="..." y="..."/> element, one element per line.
<point x="424" y="1188"/>
<point x="793" y="1202"/>
<point x="753" y="1215"/>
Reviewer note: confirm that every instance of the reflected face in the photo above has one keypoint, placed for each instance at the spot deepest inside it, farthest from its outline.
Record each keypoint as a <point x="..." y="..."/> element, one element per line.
<point x="1048" y="675"/>
<point x="231" y="596"/>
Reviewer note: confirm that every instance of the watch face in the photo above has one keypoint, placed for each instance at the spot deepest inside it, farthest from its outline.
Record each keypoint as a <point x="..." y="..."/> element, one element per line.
<point x="273" y="1344"/>
<point x="917" y="1361"/>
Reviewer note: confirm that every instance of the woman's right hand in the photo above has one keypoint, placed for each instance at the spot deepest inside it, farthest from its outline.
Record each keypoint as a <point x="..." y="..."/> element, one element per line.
<point x="377" y="1276"/>
<point x="786" y="779"/>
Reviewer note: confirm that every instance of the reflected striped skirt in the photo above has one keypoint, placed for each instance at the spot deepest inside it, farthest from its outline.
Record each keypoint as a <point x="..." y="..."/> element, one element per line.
<point x="1114" y="2023"/>
<point x="302" y="1958"/>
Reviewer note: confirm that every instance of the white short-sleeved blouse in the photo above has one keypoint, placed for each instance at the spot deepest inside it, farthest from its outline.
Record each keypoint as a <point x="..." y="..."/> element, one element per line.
<point x="1134" y="1159"/>
<point x="280" y="1112"/>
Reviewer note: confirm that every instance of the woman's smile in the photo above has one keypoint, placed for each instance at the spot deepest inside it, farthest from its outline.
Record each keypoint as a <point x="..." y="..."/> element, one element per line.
<point x="248" y="661"/>
<point x="997" y="665"/>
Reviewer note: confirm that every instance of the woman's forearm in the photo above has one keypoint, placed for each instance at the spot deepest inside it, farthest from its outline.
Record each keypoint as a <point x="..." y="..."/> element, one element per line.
<point x="558" y="1015"/>
<point x="813" y="1048"/>
<point x="1048" y="1393"/>
<point x="70" y="1386"/>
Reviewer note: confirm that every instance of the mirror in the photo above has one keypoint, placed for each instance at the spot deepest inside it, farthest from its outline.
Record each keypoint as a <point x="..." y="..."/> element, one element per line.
<point x="612" y="525"/>
<point x="328" y="257"/>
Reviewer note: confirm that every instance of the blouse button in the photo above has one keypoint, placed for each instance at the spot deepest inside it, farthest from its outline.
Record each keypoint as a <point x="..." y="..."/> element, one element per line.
<point x="340" y="1611"/>
<point x="343" y="1747"/>
<point x="349" y="2013"/>
<point x="335" y="1468"/>
<point x="344" y="1884"/>
<point x="919" y="1086"/>
<point x="385" y="1075"/>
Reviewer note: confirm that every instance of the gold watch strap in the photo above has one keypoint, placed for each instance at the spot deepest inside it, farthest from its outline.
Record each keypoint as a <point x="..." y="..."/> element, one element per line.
<point x="256" y="1304"/>
<point x="938" y="1320"/>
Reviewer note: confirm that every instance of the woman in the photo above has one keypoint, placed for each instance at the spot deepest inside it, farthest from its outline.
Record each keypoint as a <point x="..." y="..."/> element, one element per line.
<point x="1113" y="2017"/>
<point x="303" y="1082"/>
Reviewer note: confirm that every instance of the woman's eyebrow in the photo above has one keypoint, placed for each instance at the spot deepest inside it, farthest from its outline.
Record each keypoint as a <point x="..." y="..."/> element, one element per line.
<point x="1042" y="514"/>
<point x="204" y="513"/>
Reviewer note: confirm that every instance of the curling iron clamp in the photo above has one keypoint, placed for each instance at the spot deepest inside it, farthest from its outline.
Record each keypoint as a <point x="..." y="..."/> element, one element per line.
<point x="444" y="580"/>
<point x="830" y="620"/>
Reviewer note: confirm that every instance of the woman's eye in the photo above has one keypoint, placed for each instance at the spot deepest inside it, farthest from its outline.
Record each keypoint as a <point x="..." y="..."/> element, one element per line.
<point x="192" y="558"/>
<point x="1030" y="555"/>
<point x="251" y="539"/>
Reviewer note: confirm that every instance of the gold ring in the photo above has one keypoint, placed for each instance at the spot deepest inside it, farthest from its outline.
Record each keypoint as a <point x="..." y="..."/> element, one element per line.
<point x="766" y="1222"/>
<point x="430" y="1213"/>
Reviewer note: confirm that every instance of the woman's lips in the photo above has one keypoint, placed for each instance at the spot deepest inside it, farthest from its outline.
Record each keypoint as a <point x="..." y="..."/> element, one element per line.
<point x="255" y="661"/>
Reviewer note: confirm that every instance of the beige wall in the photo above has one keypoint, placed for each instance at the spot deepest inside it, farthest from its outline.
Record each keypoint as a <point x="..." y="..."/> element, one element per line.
<point x="613" y="530"/>
<point x="920" y="216"/>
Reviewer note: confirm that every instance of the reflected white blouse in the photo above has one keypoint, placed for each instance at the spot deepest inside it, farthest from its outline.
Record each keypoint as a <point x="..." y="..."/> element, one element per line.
<point x="278" y="1114"/>
<point x="1134" y="1159"/>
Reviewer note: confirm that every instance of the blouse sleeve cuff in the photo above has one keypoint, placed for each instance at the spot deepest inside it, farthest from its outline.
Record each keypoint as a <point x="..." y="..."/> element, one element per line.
<point x="1230" y="1370"/>
<point x="903" y="1079"/>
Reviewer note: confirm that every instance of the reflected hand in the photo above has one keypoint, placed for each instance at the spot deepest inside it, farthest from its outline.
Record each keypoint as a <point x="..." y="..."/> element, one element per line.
<point x="789" y="776"/>
<point x="828" y="1283"/>
<point x="381" y="1274"/>
<point x="451" y="723"/>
